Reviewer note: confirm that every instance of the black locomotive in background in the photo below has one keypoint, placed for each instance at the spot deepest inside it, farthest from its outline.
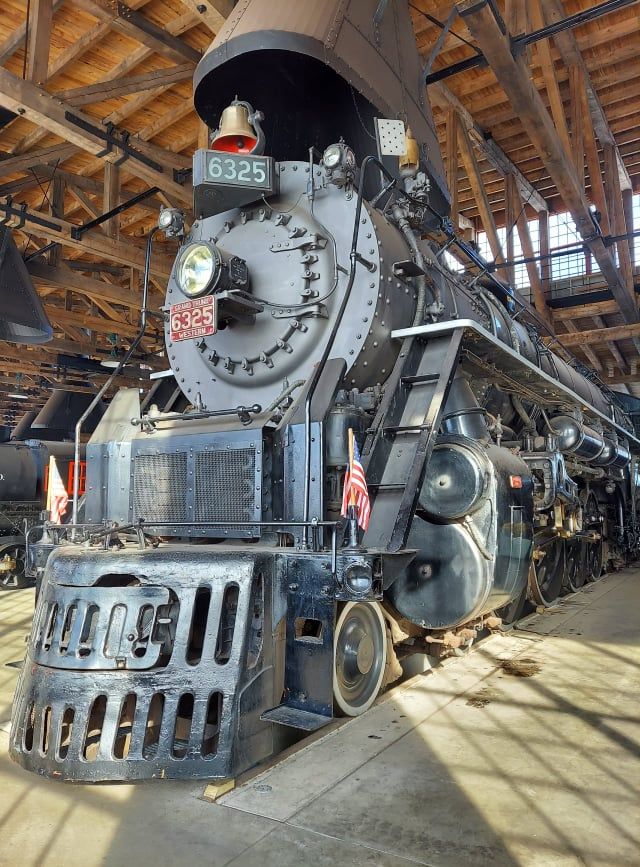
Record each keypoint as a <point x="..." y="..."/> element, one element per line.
<point x="217" y="596"/>
<point x="25" y="453"/>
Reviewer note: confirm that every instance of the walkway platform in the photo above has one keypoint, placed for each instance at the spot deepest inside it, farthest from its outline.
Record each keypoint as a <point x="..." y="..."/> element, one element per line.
<point x="525" y="752"/>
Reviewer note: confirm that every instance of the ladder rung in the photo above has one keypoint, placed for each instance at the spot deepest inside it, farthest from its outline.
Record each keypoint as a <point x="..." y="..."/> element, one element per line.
<point x="424" y="379"/>
<point x="413" y="428"/>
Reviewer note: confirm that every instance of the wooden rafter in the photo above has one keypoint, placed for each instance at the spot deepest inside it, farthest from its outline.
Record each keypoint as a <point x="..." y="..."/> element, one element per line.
<point x="526" y="101"/>
<point x="40" y="108"/>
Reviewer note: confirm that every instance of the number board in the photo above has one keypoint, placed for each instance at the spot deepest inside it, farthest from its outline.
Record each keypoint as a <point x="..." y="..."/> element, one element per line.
<point x="190" y="319"/>
<point x="237" y="170"/>
<point x="223" y="181"/>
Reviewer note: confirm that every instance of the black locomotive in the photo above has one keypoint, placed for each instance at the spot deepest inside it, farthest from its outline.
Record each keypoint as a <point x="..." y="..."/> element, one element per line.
<point x="218" y="594"/>
<point x="25" y="453"/>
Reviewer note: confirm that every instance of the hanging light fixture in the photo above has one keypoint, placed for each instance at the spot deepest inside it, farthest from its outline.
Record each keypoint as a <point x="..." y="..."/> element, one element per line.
<point x="19" y="393"/>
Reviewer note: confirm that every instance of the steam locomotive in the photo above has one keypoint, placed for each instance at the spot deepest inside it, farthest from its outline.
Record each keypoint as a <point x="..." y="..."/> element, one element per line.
<point x="24" y="466"/>
<point x="217" y="596"/>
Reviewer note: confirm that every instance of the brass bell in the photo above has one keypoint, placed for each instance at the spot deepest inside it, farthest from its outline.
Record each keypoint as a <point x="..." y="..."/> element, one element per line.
<point x="235" y="134"/>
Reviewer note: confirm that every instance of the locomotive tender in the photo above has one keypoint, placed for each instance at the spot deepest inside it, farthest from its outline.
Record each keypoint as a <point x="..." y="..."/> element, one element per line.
<point x="218" y="596"/>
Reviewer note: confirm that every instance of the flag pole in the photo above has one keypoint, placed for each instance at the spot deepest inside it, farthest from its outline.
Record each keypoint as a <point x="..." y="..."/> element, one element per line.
<point x="352" y="496"/>
<point x="353" y="518"/>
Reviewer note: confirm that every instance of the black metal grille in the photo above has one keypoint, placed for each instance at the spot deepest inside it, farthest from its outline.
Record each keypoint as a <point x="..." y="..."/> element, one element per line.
<point x="160" y="487"/>
<point x="225" y="485"/>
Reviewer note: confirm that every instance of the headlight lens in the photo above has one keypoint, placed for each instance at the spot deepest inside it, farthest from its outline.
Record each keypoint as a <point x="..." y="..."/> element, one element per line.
<point x="197" y="268"/>
<point x="332" y="157"/>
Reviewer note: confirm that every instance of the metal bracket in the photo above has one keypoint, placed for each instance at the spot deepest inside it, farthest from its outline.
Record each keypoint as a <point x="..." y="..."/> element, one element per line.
<point x="436" y="48"/>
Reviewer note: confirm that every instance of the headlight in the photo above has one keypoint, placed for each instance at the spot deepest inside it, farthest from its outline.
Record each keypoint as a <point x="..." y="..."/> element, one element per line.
<point x="197" y="268"/>
<point x="359" y="579"/>
<point x="332" y="157"/>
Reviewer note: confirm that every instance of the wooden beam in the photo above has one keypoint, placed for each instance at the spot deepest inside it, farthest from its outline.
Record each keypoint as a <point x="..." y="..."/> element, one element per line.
<point x="40" y="21"/>
<point x="56" y="209"/>
<point x="543" y="49"/>
<point x="44" y="156"/>
<point x="590" y="354"/>
<point x="92" y="208"/>
<point x="539" y="300"/>
<point x="598" y="195"/>
<point x="17" y="38"/>
<point x="135" y="25"/>
<point x="111" y="197"/>
<point x="64" y="278"/>
<point x="41" y="108"/>
<point x="602" y="335"/>
<point x="616" y="212"/>
<point x="80" y="319"/>
<point x="599" y="308"/>
<point x="117" y="87"/>
<point x="213" y="13"/>
<point x="451" y="160"/>
<point x="545" y="263"/>
<point x="528" y="105"/>
<point x="627" y="207"/>
<point x="599" y="322"/>
<point x="577" y="122"/>
<point x="510" y="194"/>
<point x="176" y="26"/>
<point x="441" y="96"/>
<point x="567" y="44"/>
<point x="473" y="174"/>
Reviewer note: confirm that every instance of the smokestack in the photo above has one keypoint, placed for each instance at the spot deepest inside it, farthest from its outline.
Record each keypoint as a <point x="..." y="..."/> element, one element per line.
<point x="320" y="71"/>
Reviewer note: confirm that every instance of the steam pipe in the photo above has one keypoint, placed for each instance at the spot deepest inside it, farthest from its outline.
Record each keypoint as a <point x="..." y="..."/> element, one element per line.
<point x="123" y="361"/>
<point x="317" y="370"/>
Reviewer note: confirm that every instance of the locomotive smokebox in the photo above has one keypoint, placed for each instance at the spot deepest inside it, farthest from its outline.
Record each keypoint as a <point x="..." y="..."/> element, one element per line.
<point x="319" y="72"/>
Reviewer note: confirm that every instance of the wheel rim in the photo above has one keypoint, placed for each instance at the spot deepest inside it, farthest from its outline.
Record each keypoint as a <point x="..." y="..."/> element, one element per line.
<point x="14" y="580"/>
<point x="576" y="558"/>
<point x="360" y="655"/>
<point x="592" y="522"/>
<point x="547" y="572"/>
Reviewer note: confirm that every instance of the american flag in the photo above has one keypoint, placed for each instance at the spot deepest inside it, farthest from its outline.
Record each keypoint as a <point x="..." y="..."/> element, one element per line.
<point x="355" y="491"/>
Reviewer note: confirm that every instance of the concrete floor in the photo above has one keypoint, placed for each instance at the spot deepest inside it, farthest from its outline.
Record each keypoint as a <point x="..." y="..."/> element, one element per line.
<point x="527" y="752"/>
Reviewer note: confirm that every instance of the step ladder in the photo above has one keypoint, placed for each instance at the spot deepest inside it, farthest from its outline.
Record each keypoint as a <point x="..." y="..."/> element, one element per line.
<point x="399" y="444"/>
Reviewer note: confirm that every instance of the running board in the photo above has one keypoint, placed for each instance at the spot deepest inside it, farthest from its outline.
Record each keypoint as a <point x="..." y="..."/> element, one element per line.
<point x="295" y="718"/>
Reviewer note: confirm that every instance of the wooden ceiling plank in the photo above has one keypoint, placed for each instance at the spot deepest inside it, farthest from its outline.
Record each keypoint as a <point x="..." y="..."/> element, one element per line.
<point x="514" y="79"/>
<point x="134" y="24"/>
<point x="40" y="108"/>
